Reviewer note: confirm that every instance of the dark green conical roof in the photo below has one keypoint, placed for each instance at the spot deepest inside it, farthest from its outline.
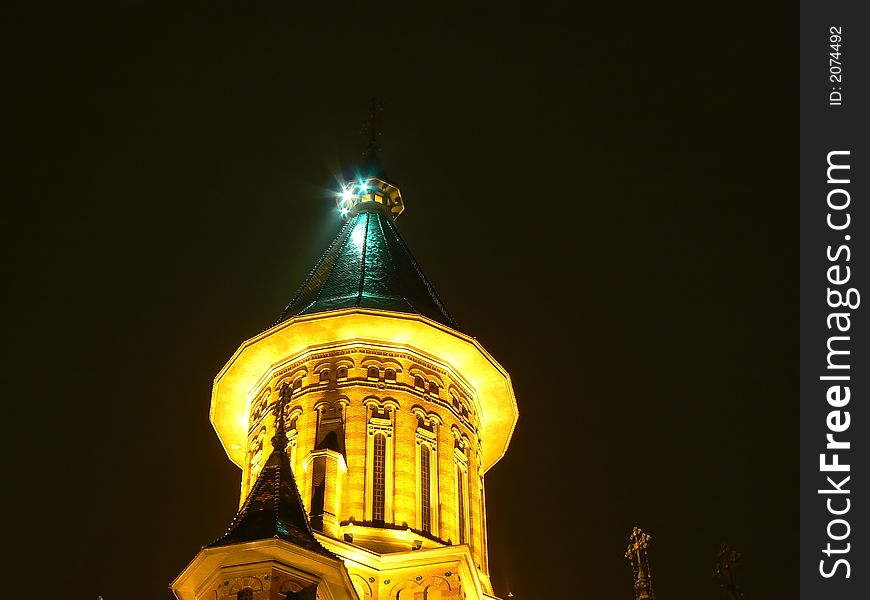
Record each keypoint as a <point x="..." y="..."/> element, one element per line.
<point x="273" y="509"/>
<point x="368" y="265"/>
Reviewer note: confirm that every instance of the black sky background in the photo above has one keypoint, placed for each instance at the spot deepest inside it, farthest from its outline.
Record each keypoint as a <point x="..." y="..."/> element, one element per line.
<point x="605" y="196"/>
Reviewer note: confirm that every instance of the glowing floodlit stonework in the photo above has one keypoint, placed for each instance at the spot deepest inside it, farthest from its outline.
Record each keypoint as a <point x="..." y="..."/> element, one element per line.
<point x="248" y="369"/>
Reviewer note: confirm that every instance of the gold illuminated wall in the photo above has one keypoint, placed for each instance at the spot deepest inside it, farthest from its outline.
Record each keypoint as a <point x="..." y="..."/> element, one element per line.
<point x="418" y="407"/>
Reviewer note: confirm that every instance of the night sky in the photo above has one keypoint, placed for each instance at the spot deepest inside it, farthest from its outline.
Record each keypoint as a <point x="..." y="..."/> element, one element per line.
<point x="606" y="198"/>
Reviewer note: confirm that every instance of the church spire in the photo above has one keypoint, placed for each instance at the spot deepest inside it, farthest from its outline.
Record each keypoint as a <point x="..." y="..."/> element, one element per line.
<point x="636" y="553"/>
<point x="368" y="264"/>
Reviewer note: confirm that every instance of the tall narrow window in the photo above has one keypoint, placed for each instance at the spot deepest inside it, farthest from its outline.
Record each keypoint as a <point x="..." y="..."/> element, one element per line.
<point x="425" y="489"/>
<point x="419" y="383"/>
<point x="482" y="522"/>
<point x="433" y="388"/>
<point x="460" y="504"/>
<point x="318" y="492"/>
<point x="379" y="477"/>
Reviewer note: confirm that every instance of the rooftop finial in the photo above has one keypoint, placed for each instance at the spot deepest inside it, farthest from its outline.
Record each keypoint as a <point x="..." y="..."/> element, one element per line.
<point x="279" y="440"/>
<point x="367" y="184"/>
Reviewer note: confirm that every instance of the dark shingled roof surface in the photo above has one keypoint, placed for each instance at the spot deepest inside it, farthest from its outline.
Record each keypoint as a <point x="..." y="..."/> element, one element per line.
<point x="368" y="265"/>
<point x="273" y="509"/>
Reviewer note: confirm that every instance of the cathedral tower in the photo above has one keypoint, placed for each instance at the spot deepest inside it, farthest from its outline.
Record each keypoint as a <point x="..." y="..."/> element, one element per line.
<point x="386" y="418"/>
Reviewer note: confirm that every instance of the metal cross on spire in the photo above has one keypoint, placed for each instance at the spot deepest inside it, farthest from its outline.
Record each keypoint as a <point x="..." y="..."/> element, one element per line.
<point x="636" y="553"/>
<point x="371" y="130"/>
<point x="279" y="440"/>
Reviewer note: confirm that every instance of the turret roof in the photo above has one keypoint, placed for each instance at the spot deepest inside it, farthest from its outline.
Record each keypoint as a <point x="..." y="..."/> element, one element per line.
<point x="368" y="265"/>
<point x="273" y="509"/>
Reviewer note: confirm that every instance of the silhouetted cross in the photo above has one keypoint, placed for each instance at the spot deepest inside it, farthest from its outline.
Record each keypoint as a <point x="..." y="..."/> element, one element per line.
<point x="371" y="128"/>
<point x="279" y="440"/>
<point x="637" y="541"/>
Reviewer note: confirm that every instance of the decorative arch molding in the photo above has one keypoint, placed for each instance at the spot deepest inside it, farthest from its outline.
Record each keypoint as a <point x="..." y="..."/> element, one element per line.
<point x="255" y="457"/>
<point x="427" y="416"/>
<point x="258" y="440"/>
<point x="341" y="401"/>
<point x="292" y="376"/>
<point x="363" y="589"/>
<point x="386" y="403"/>
<point x="290" y="586"/>
<point x="426" y="374"/>
<point x="333" y="364"/>
<point x="295" y="413"/>
<point x="461" y="440"/>
<point x="382" y="363"/>
<point x="291" y="429"/>
<point x="455" y="392"/>
<point x="259" y="407"/>
<point x="247" y="581"/>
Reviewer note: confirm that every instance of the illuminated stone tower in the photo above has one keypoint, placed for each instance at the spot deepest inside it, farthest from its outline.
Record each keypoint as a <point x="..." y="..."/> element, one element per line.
<point x="391" y="417"/>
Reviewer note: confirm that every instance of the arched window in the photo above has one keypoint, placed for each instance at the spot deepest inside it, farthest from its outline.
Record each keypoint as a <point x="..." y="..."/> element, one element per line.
<point x="379" y="477"/>
<point x="342" y="373"/>
<point x="433" y="388"/>
<point x="374" y="373"/>
<point x="390" y="374"/>
<point x="297" y="384"/>
<point x="460" y="504"/>
<point x="425" y="488"/>
<point x="324" y="375"/>
<point x="245" y="594"/>
<point x="318" y="492"/>
<point x="419" y="383"/>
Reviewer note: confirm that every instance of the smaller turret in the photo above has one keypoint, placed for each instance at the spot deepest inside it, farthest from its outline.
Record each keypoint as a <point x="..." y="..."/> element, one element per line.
<point x="269" y="552"/>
